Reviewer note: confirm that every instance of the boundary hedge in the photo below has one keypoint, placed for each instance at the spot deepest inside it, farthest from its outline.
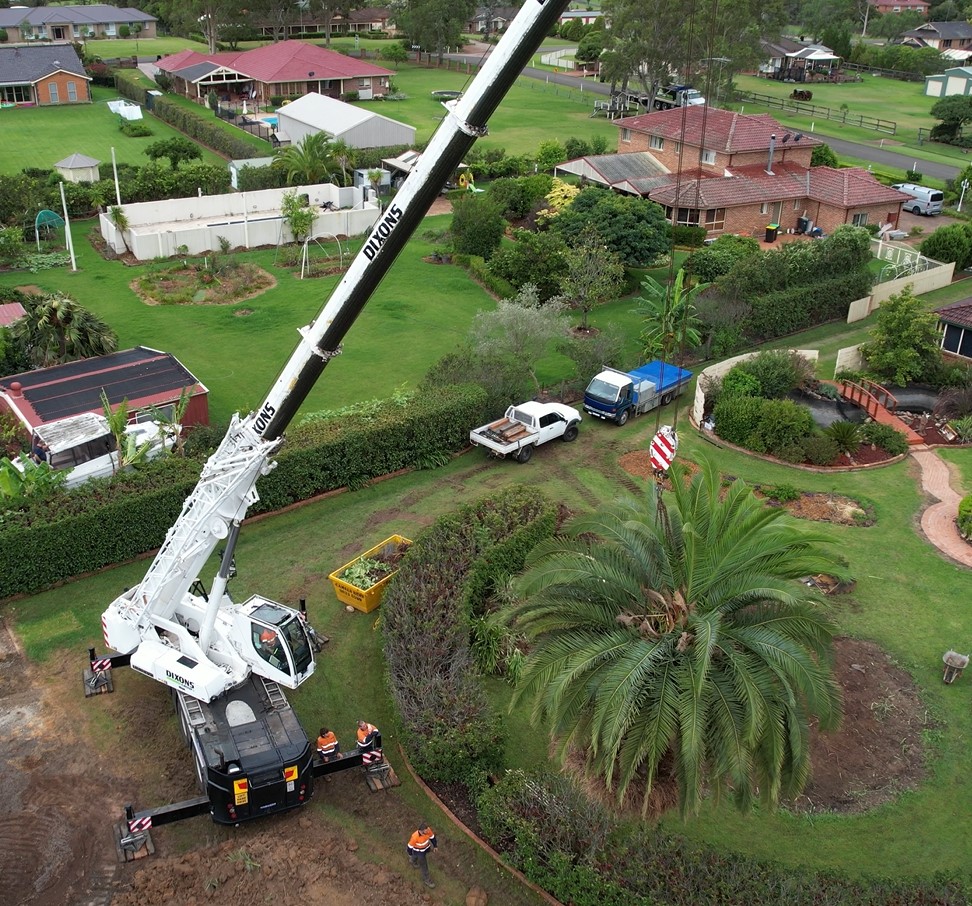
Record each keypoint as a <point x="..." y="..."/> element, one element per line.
<point x="112" y="520"/>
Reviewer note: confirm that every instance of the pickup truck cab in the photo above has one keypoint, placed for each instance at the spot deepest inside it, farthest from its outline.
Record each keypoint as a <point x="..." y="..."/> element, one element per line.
<point x="526" y="426"/>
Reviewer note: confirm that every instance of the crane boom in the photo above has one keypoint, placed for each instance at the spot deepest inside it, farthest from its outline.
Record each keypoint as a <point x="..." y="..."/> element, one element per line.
<point x="196" y="644"/>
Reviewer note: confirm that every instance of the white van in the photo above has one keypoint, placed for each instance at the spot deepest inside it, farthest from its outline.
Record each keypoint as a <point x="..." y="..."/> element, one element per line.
<point x="924" y="200"/>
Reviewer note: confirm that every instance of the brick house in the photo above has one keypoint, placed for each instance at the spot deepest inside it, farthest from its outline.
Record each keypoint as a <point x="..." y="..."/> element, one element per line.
<point x="287" y="69"/>
<point x="733" y="173"/>
<point x="307" y="21"/>
<point x="42" y="76"/>
<point x="885" y="7"/>
<point x="940" y="35"/>
<point x="73" y="23"/>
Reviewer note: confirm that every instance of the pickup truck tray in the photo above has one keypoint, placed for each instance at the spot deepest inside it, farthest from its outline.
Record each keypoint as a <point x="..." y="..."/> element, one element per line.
<point x="504" y="431"/>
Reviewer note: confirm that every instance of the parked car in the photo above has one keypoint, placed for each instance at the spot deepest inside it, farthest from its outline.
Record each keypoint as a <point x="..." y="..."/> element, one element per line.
<point x="924" y="200"/>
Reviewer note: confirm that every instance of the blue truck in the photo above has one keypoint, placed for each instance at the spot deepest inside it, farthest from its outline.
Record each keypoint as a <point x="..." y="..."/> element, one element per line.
<point x="617" y="395"/>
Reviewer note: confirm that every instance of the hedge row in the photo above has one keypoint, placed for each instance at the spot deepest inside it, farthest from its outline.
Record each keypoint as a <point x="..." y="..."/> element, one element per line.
<point x="201" y="127"/>
<point x="790" y="310"/>
<point x="113" y="520"/>
<point x="569" y="846"/>
<point x="965" y="517"/>
<point x="448" y="726"/>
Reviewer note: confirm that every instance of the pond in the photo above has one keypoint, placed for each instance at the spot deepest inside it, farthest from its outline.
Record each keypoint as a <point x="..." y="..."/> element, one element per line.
<point x="825" y="412"/>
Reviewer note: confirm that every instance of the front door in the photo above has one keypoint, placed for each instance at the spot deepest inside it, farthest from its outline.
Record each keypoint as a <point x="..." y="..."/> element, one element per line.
<point x="57" y="33"/>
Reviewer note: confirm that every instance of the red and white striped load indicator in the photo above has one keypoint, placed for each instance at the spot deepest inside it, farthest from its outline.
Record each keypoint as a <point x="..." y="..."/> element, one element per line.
<point x="663" y="447"/>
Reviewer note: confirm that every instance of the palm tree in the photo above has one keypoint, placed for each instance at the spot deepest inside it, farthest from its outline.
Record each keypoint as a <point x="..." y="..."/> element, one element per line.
<point x="673" y="640"/>
<point x="59" y="330"/>
<point x="308" y="162"/>
<point x="345" y="157"/>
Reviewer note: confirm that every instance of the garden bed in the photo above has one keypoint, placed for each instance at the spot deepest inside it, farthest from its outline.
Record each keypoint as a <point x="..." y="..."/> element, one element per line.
<point x="197" y="285"/>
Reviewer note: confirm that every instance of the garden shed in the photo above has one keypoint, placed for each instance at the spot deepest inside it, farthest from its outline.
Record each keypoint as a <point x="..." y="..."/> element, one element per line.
<point x="147" y="378"/>
<point x="341" y="122"/>
<point x="78" y="168"/>
<point x="957" y="80"/>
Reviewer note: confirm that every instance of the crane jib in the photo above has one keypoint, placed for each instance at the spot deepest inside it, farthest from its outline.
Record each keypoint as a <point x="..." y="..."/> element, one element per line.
<point x="381" y="232"/>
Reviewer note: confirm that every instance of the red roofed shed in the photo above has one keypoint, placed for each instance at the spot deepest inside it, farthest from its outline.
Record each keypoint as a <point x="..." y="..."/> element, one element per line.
<point x="145" y="377"/>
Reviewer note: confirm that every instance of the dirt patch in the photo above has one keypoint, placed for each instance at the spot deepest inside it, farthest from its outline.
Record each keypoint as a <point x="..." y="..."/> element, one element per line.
<point x="31" y="289"/>
<point x="833" y="508"/>
<point x="877" y="752"/>
<point x="195" y="285"/>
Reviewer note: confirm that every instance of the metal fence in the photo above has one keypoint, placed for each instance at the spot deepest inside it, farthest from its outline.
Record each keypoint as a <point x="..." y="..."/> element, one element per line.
<point x="822" y="113"/>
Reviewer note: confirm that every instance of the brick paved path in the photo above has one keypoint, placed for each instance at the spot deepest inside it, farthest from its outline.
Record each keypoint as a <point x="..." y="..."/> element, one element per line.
<point x="938" y="519"/>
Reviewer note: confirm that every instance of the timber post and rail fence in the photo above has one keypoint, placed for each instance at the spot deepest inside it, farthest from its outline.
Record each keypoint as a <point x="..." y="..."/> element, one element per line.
<point x="815" y="110"/>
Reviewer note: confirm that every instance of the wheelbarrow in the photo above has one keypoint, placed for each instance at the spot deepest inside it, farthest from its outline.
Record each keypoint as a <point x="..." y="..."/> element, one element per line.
<point x="955" y="663"/>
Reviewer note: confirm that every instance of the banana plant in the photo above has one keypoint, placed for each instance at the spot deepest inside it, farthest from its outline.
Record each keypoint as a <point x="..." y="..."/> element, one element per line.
<point x="36" y="479"/>
<point x="170" y="422"/>
<point x="130" y="453"/>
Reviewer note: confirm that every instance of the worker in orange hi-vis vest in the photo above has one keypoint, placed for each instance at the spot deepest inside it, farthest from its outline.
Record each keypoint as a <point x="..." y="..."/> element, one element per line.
<point x="418" y="848"/>
<point x="366" y="736"/>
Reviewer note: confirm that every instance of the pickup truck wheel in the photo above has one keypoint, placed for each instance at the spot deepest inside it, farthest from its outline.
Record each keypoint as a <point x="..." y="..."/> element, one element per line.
<point x="667" y="398"/>
<point x="622" y="418"/>
<point x="524" y="453"/>
<point x="571" y="433"/>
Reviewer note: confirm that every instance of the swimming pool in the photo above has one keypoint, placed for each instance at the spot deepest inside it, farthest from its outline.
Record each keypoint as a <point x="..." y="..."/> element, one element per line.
<point x="271" y="121"/>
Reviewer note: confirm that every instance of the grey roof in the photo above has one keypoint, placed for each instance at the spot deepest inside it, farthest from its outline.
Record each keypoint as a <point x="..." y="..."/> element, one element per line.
<point x="197" y="71"/>
<point x="23" y="65"/>
<point x="615" y="168"/>
<point x="96" y="14"/>
<point x="945" y="30"/>
<point x="77" y="161"/>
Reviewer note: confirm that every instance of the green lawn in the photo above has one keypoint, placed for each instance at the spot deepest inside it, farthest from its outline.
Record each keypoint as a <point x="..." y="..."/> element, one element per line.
<point x="530" y="112"/>
<point x="120" y="48"/>
<point x="41" y="136"/>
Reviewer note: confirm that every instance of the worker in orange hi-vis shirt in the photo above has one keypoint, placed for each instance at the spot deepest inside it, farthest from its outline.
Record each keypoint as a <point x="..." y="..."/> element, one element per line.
<point x="418" y="850"/>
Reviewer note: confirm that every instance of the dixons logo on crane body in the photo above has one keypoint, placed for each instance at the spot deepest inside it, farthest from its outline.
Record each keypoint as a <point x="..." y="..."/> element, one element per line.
<point x="181" y="680"/>
<point x="381" y="232"/>
<point x="263" y="418"/>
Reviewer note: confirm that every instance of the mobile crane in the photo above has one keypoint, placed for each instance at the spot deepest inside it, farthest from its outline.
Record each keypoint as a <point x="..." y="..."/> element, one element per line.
<point x="225" y="662"/>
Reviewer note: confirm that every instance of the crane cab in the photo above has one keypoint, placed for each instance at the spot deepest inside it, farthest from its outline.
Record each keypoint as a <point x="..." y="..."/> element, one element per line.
<point x="274" y="641"/>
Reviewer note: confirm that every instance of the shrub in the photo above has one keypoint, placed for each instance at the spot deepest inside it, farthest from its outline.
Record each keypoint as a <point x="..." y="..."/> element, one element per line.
<point x="846" y="436"/>
<point x="904" y="344"/>
<point x="776" y="372"/>
<point x="887" y="438"/>
<point x="784" y="493"/>
<point x="965" y="516"/>
<point x="739" y="382"/>
<point x="135" y="128"/>
<point x="793" y="453"/>
<point x="963" y="427"/>
<point x="516" y="197"/>
<point x="736" y="418"/>
<point x="782" y="424"/>
<point x="820" y="449"/>
<point x="717" y="260"/>
<point x="477" y="225"/>
<point x="949" y="243"/>
<point x="689" y="236"/>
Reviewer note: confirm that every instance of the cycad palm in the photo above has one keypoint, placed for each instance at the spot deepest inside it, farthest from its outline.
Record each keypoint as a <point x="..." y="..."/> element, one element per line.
<point x="308" y="162"/>
<point x="676" y="632"/>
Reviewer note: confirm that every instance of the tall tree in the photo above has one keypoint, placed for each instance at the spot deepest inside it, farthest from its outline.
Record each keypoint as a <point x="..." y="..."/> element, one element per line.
<point x="435" y="24"/>
<point x="594" y="275"/>
<point x="670" y="324"/>
<point x="57" y="330"/>
<point x="672" y="636"/>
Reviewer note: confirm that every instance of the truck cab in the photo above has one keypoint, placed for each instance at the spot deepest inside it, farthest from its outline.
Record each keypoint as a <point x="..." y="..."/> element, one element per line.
<point x="678" y="96"/>
<point x="609" y="395"/>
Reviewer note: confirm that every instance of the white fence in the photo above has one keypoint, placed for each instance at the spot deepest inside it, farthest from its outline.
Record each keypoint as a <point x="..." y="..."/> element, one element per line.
<point x="194" y="226"/>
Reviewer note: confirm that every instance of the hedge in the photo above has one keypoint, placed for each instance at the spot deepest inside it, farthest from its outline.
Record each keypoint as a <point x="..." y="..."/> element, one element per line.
<point x="113" y="520"/>
<point x="568" y="845"/>
<point x="448" y="726"/>
<point x="787" y="311"/>
<point x="965" y="517"/>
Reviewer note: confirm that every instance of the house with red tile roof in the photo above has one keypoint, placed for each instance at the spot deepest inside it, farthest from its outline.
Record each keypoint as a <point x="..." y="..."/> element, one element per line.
<point x="955" y="323"/>
<point x="738" y="173"/>
<point x="288" y="69"/>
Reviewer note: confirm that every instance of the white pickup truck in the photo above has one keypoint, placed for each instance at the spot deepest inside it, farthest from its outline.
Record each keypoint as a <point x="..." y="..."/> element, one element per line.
<point x="527" y="426"/>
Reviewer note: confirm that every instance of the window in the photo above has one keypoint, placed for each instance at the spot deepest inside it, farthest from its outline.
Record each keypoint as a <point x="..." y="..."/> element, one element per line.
<point x="796" y="204"/>
<point x="952" y="338"/>
<point x="860" y="219"/>
<point x="626" y="135"/>
<point x="656" y="143"/>
<point x="15" y="94"/>
<point x="708" y="157"/>
<point x="764" y="208"/>
<point x="678" y="147"/>
<point x="54" y="95"/>
<point x="715" y="219"/>
<point x="72" y="91"/>
<point x="110" y="28"/>
<point x="364" y="83"/>
<point x="686" y="216"/>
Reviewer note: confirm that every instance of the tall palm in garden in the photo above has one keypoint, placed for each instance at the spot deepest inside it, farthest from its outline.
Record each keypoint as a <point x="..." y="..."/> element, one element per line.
<point x="669" y="636"/>
<point x="670" y="324"/>
<point x="57" y="329"/>
<point x="308" y="162"/>
<point x="345" y="157"/>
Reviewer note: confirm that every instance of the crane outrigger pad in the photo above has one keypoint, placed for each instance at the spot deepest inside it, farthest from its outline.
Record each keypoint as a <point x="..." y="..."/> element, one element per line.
<point x="97" y="682"/>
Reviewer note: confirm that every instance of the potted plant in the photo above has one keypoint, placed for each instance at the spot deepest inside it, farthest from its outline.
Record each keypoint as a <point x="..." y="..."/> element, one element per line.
<point x="362" y="582"/>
